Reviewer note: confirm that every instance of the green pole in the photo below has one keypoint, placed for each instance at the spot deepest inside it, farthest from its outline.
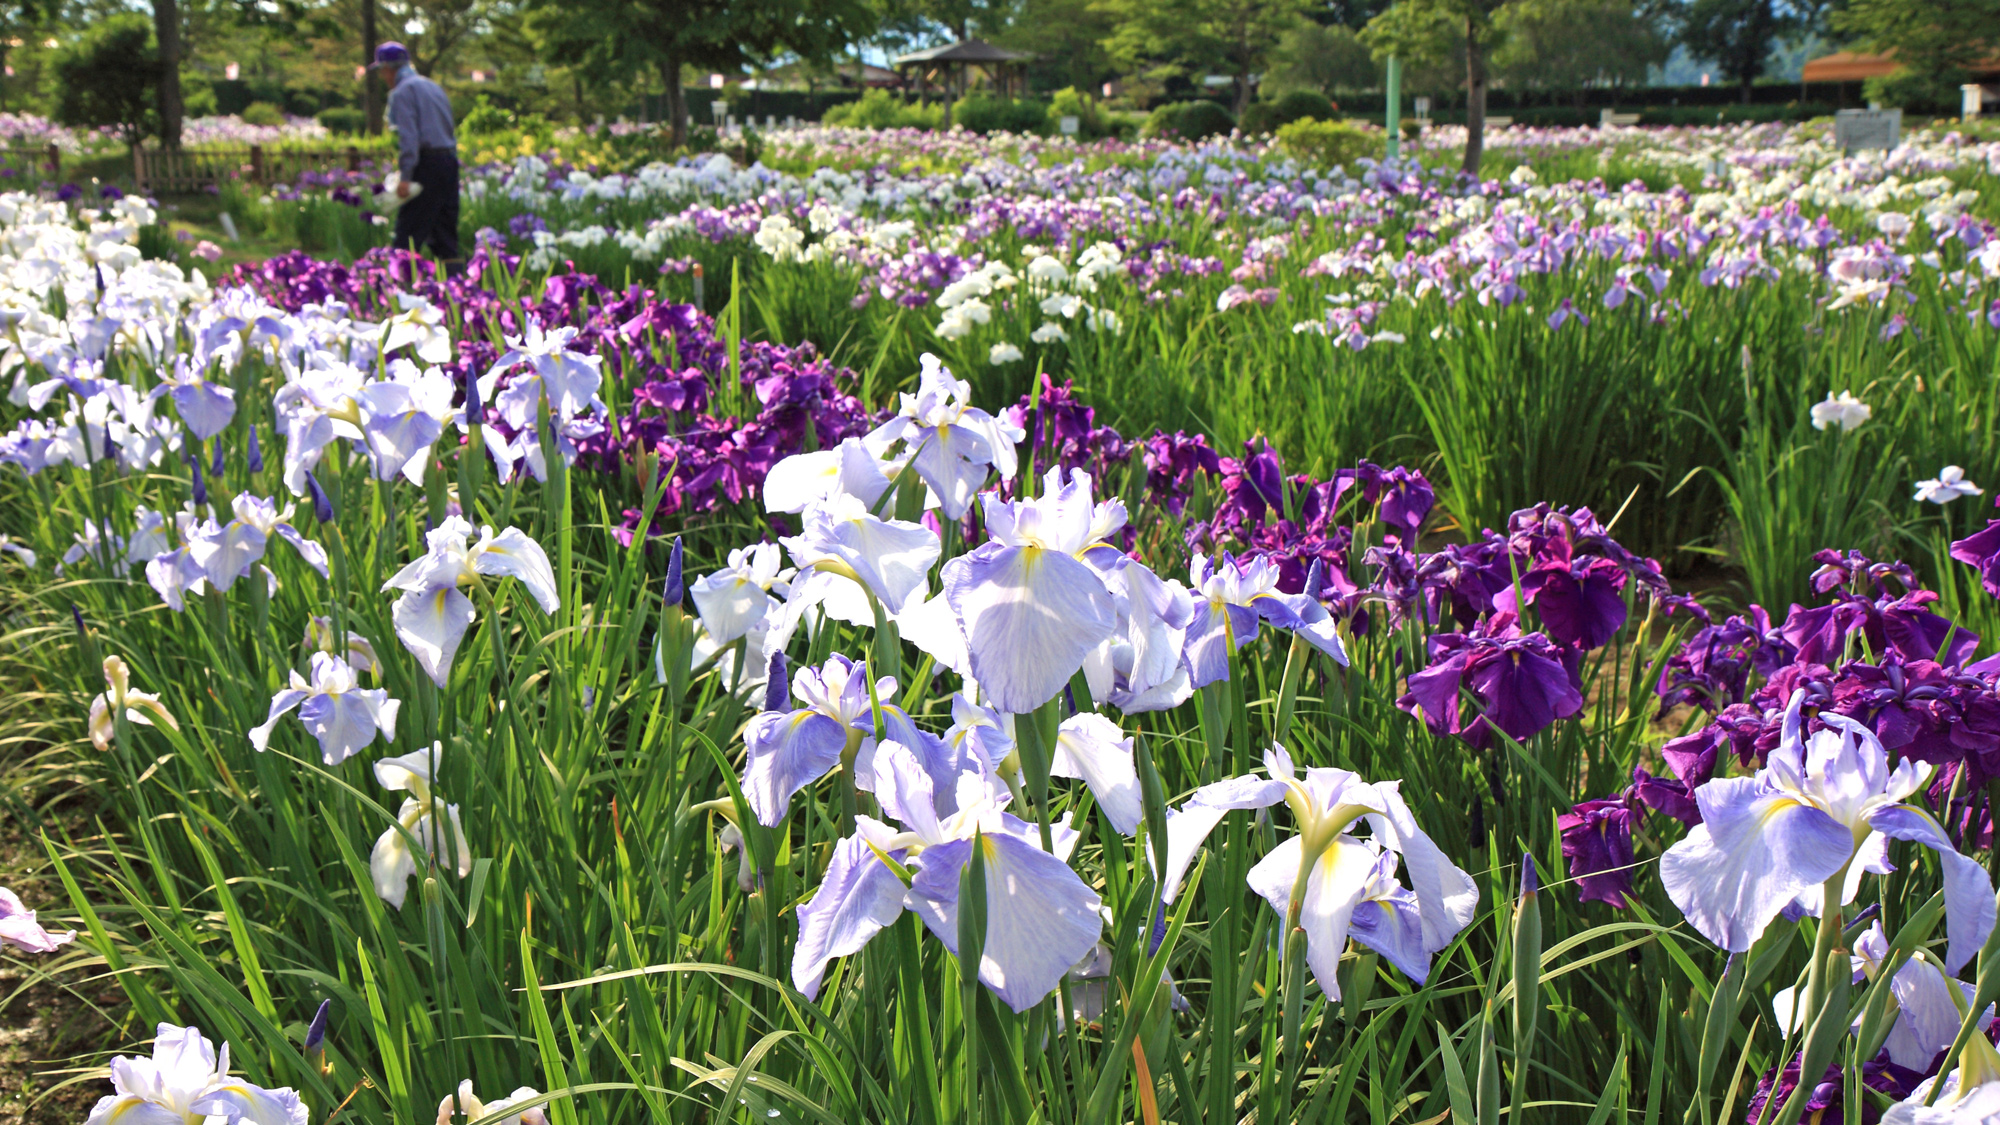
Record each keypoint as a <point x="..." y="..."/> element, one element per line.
<point x="1394" y="117"/>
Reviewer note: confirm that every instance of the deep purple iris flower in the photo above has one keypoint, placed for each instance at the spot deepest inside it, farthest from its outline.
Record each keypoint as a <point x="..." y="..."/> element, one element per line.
<point x="1597" y="842"/>
<point x="1981" y="550"/>
<point x="1827" y="1100"/>
<point x="1522" y="683"/>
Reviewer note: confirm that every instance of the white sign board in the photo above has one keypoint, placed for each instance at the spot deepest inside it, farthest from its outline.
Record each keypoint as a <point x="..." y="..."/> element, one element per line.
<point x="1867" y="128"/>
<point x="1068" y="125"/>
<point x="1423" y="108"/>
<point x="1974" y="98"/>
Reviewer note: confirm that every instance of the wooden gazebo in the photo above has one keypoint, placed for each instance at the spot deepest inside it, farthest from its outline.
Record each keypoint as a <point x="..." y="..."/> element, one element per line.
<point x="947" y="69"/>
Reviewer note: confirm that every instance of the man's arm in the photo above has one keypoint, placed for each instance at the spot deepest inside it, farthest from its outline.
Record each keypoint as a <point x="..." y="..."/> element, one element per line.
<point x="403" y="115"/>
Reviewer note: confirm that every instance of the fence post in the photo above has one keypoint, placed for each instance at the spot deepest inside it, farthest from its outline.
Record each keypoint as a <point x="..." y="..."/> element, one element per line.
<point x="139" y="170"/>
<point x="353" y="159"/>
<point x="55" y="162"/>
<point x="257" y="163"/>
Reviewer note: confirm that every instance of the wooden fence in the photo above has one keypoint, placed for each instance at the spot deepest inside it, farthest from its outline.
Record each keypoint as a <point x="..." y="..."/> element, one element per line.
<point x="31" y="163"/>
<point x="158" y="170"/>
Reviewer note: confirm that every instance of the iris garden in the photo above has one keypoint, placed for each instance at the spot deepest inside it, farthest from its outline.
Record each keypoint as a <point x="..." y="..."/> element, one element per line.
<point x="933" y="628"/>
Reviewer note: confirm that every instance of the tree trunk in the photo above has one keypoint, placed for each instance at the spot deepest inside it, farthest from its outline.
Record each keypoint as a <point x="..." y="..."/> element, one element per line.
<point x="1242" y="95"/>
<point x="1748" y="81"/>
<point x="677" y="118"/>
<point x="167" y="31"/>
<point x="371" y="82"/>
<point x="1475" y="99"/>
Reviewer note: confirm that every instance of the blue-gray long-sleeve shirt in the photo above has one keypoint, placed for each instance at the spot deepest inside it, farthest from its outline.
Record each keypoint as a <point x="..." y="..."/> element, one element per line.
<point x="421" y="115"/>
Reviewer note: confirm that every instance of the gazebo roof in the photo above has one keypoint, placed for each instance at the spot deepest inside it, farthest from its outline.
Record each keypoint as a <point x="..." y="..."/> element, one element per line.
<point x="963" y="51"/>
<point x="1848" y="66"/>
<point x="1851" y="66"/>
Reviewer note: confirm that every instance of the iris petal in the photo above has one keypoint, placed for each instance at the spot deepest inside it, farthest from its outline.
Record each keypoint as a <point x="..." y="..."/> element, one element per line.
<point x="431" y="623"/>
<point x="787" y="752"/>
<point x="1968" y="893"/>
<point x="1040" y="918"/>
<point x="1754" y="851"/>
<point x="1031" y="615"/>
<point x="857" y="898"/>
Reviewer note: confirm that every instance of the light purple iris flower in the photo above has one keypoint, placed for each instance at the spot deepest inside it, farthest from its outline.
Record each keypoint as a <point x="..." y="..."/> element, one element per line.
<point x="1031" y="608"/>
<point x="1347" y="887"/>
<point x="789" y="750"/>
<point x="1926" y="1014"/>
<point x="227" y="553"/>
<point x="1231" y="596"/>
<point x="19" y="929"/>
<point x="205" y="408"/>
<point x="568" y="379"/>
<point x="1142" y="665"/>
<point x="186" y="1079"/>
<point x="887" y="559"/>
<point x="1824" y="806"/>
<point x="432" y="615"/>
<point x="335" y="709"/>
<point x="402" y="417"/>
<point x="1041" y="918"/>
<point x="951" y="444"/>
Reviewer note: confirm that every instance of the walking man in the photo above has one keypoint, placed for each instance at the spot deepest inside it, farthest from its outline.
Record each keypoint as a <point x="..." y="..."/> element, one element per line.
<point x="427" y="152"/>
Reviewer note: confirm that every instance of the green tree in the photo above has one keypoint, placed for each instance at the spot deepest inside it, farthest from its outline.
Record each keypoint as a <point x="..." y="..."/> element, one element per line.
<point x="1937" y="42"/>
<point x="1322" y="57"/>
<point x="1737" y="34"/>
<point x="109" y="77"/>
<point x="1067" y="39"/>
<point x="18" y="20"/>
<point x="1425" y="33"/>
<point x="621" y="39"/>
<point x="1190" y="37"/>
<point x="1564" y="44"/>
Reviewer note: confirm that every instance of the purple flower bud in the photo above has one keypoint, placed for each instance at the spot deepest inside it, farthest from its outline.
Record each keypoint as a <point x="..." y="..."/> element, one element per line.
<point x="1316" y="579"/>
<point x="675" y="590"/>
<point x="200" y="489"/>
<point x="322" y="504"/>
<point x="475" y="413"/>
<point x="256" y="458"/>
<point x="777" y="689"/>
<point x="1530" y="884"/>
<point x="316" y="1031"/>
<point x="76" y="615"/>
<point x="215" y="463"/>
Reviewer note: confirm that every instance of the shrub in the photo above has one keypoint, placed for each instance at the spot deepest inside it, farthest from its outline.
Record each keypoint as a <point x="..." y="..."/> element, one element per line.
<point x="1071" y="102"/>
<point x="880" y="109"/>
<point x="343" y="119"/>
<point x="263" y="113"/>
<point x="107" y="77"/>
<point x="1191" y="121"/>
<point x="982" y="114"/>
<point x="1301" y="104"/>
<point x="485" y="119"/>
<point x="1328" y="145"/>
<point x="1259" y="118"/>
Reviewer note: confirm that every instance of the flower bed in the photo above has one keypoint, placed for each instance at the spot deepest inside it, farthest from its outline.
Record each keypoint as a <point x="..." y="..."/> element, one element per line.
<point x="529" y="681"/>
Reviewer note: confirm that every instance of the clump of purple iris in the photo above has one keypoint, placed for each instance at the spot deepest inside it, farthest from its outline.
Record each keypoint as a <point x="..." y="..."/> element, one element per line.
<point x="1521" y="682"/>
<point x="525" y="224"/>
<point x="1827" y="1100"/>
<point x="1872" y="651"/>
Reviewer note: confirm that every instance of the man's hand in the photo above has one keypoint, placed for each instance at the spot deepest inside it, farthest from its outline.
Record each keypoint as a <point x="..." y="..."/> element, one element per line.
<point x="403" y="190"/>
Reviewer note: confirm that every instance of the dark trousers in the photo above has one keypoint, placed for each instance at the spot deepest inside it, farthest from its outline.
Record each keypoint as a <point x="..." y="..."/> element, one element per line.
<point x="429" y="223"/>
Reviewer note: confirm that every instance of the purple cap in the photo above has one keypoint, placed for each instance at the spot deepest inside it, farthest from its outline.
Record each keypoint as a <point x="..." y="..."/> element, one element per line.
<point x="391" y="55"/>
